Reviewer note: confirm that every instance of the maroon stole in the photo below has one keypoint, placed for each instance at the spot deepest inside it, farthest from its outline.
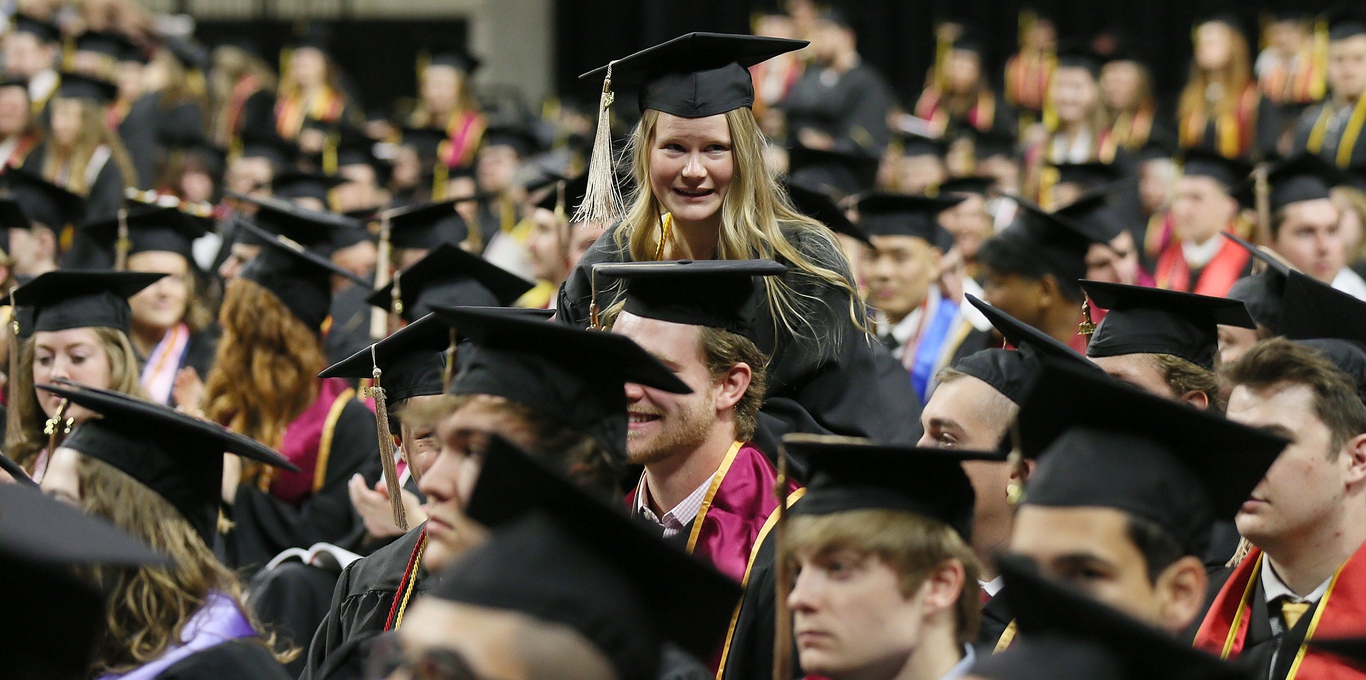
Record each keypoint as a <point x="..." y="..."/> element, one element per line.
<point x="1172" y="272"/>
<point x="307" y="442"/>
<point x="1341" y="613"/>
<point x="980" y="116"/>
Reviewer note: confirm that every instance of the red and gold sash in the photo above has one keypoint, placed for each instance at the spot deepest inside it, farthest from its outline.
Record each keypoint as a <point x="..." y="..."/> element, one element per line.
<point x="1131" y="130"/>
<point x="1216" y="278"/>
<point x="1027" y="78"/>
<point x="1234" y="131"/>
<point x="292" y="110"/>
<point x="407" y="584"/>
<point x="464" y="132"/>
<point x="1303" y="84"/>
<point x="1341" y="613"/>
<point x="931" y="107"/>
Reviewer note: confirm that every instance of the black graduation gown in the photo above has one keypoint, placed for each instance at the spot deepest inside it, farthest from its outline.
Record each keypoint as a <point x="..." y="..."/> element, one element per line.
<point x="231" y="660"/>
<point x="1260" y="643"/>
<point x="751" y="650"/>
<point x="996" y="617"/>
<point x="826" y="370"/>
<point x="1333" y="133"/>
<point x="851" y="108"/>
<point x="138" y="130"/>
<point x="362" y="599"/>
<point x="350" y="331"/>
<point x="102" y="201"/>
<point x="265" y="525"/>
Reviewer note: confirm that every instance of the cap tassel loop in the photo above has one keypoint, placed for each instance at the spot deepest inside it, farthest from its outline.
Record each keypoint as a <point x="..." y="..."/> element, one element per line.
<point x="602" y="199"/>
<point x="14" y="432"/>
<point x="593" y="311"/>
<point x="123" y="244"/>
<point x="1087" y="326"/>
<point x="386" y="447"/>
<point x="58" y="426"/>
<point x="448" y="373"/>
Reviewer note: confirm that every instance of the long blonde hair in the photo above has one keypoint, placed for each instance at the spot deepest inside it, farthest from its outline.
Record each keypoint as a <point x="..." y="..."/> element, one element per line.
<point x="754" y="215"/>
<point x="124" y="377"/>
<point x="94" y="133"/>
<point x="1234" y="77"/>
<point x="147" y="607"/>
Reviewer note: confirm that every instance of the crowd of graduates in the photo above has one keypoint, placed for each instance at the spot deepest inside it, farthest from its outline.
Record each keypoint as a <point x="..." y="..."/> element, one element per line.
<point x="774" y="374"/>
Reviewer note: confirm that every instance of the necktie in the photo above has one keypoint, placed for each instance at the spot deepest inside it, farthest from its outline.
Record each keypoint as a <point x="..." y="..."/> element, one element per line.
<point x="1292" y="611"/>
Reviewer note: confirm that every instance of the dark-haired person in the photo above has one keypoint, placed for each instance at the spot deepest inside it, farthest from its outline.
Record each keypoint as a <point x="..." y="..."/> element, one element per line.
<point x="1329" y="129"/>
<point x="1198" y="259"/>
<point x="841" y="102"/>
<point x="1306" y="520"/>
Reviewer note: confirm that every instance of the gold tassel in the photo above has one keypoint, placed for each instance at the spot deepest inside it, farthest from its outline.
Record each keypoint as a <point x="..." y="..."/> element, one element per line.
<point x="379" y="321"/>
<point x="448" y="373"/>
<point x="386" y="447"/>
<point x="57" y="427"/>
<point x="602" y="200"/>
<point x="1318" y="89"/>
<point x="1087" y="326"/>
<point x="1262" y="201"/>
<point x="1015" y="492"/>
<point x="396" y="297"/>
<point x="593" y="310"/>
<point x="122" y="244"/>
<point x="14" y="431"/>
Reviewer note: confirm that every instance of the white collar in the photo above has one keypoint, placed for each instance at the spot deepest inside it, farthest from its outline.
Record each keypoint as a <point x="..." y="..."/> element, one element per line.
<point x="1350" y="283"/>
<point x="993" y="586"/>
<point x="1276" y="588"/>
<point x="1199" y="255"/>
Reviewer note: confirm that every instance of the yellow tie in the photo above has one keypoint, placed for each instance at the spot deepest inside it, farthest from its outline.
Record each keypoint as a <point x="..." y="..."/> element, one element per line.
<point x="1292" y="611"/>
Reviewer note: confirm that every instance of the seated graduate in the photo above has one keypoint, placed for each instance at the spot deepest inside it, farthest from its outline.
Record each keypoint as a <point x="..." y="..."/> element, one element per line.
<point x="262" y="386"/>
<point x="1065" y="634"/>
<point x="158" y="475"/>
<point x="447" y="276"/>
<point x="884" y="583"/>
<point x="566" y="586"/>
<point x="62" y="613"/>
<point x="557" y="392"/>
<point x="973" y="408"/>
<point x="1196" y="257"/>
<point x="170" y="318"/>
<point x="36" y="211"/>
<point x="1113" y="257"/>
<point x="1127" y="489"/>
<point x="75" y="326"/>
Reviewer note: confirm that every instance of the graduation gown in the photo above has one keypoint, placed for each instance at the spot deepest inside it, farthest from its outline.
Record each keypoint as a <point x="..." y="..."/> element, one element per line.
<point x="1327" y="130"/>
<point x="331" y="441"/>
<point x="850" y="107"/>
<point x="232" y="660"/>
<point x="350" y="329"/>
<point x="826" y="370"/>
<point x="996" y="618"/>
<point x="219" y="643"/>
<point x="138" y="130"/>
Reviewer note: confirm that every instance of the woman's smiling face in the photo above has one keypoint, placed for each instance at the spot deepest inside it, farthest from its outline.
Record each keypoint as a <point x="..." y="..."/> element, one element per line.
<point x="691" y="165"/>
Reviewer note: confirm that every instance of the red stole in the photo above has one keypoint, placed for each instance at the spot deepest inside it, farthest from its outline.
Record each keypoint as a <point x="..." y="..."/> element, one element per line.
<point x="1234" y="131"/>
<point x="1341" y="613"/>
<point x="307" y="442"/>
<point x="1172" y="272"/>
<point x="1027" y="79"/>
<point x="980" y="116"/>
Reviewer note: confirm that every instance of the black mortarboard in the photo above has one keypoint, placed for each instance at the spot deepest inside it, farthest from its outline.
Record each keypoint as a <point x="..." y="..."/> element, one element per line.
<point x="1301" y="177"/>
<point x="320" y="231"/>
<point x="883" y="214"/>
<point x="1102" y="443"/>
<point x="820" y="206"/>
<point x="299" y="277"/>
<point x="1080" y="54"/>
<point x="1262" y="293"/>
<point x="190" y="54"/>
<point x="515" y="136"/>
<point x="1224" y="12"/>
<point x="65" y="299"/>
<point x="1348" y="356"/>
<point x="315" y="36"/>
<point x="714" y="293"/>
<point x="1012" y="372"/>
<point x="685" y="601"/>
<point x="575" y="376"/>
<point x="969" y="40"/>
<point x="427" y="225"/>
<point x="291" y="184"/>
<point x="40" y="529"/>
<point x="1087" y="175"/>
<point x="967" y="185"/>
<point x="1143" y="320"/>
<point x="916" y="144"/>
<point x="427" y="141"/>
<point x="77" y="86"/>
<point x="45" y="30"/>
<point x="1313" y="309"/>
<point x="178" y="456"/>
<point x="566" y="196"/>
<point x="151" y="228"/>
<point x="1158" y="147"/>
<point x="1346" y="20"/>
<point x="838" y="173"/>
<point x="108" y="43"/>
<point x="40" y="201"/>
<point x="992" y="143"/>
<point x="455" y="57"/>
<point x="270" y="147"/>
<point x="1057" y="243"/>
<point x="1092" y="211"/>
<point x="845" y="475"/>
<point x="412" y="361"/>
<point x="697" y="74"/>
<point x="449" y="277"/>
<point x="1089" y="640"/>
<point x="1228" y="172"/>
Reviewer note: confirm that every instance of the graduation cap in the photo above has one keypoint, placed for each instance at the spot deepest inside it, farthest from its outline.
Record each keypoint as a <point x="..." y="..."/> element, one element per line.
<point x="845" y="475"/>
<point x="449" y="276"/>
<point x="426" y="225"/>
<point x="178" y="456"/>
<point x="564" y="201"/>
<point x="77" y="86"/>
<point x="1080" y="54"/>
<point x="685" y="600"/>
<point x="455" y="57"/>
<point x="299" y="277"/>
<point x="31" y="198"/>
<point x="151" y="229"/>
<point x="1346" y="20"/>
<point x="65" y="299"/>
<point x="967" y="185"/>
<point x="1067" y="634"/>
<point x="1102" y="443"/>
<point x="1144" y="320"/>
<point x="713" y="293"/>
<point x="515" y="136"/>
<point x="838" y="173"/>
<point x="321" y="231"/>
<point x="1313" y="309"/>
<point x="820" y="206"/>
<point x="412" y="361"/>
<point x="46" y="31"/>
<point x="884" y="214"/>
<point x="1092" y="211"/>
<point x="291" y="184"/>
<point x="1057" y="243"/>
<point x="1228" y="172"/>
<point x="915" y="144"/>
<point x="1301" y="177"/>
<point x="426" y="140"/>
<point x="108" y="43"/>
<point x="191" y="55"/>
<point x="271" y="147"/>
<point x="1221" y="12"/>
<point x="1087" y="175"/>
<point x="314" y="36"/>
<point x="1261" y="293"/>
<point x="573" y="375"/>
<point x="1012" y="372"/>
<point x="990" y="143"/>
<point x="968" y="40"/>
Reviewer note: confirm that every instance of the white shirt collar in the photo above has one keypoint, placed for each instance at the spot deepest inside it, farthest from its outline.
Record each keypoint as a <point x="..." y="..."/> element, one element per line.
<point x="680" y="516"/>
<point x="962" y="668"/>
<point x="1350" y="283"/>
<point x="993" y="586"/>
<point x="1276" y="588"/>
<point x="1200" y="255"/>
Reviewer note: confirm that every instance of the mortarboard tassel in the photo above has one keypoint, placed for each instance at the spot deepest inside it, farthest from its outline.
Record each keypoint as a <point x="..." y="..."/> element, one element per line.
<point x="448" y="372"/>
<point x="602" y="199"/>
<point x="1087" y="325"/>
<point x="386" y="447"/>
<point x="379" y="319"/>
<point x="1262" y="199"/>
<point x="57" y="426"/>
<point x="13" y="427"/>
<point x="122" y="244"/>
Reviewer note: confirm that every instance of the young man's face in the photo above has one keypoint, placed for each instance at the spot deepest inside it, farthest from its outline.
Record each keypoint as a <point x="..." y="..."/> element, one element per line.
<point x="966" y="413"/>
<point x="1016" y="295"/>
<point x="1309" y="237"/>
<point x="1307" y="482"/>
<point x="899" y="271"/>
<point x="849" y="614"/>
<point x="1201" y="208"/>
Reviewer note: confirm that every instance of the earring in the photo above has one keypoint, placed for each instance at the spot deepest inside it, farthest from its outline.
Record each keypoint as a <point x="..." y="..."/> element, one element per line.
<point x="1014" y="493"/>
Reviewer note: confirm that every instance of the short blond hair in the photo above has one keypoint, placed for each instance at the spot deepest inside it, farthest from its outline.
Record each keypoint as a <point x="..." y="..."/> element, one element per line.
<point x="912" y="545"/>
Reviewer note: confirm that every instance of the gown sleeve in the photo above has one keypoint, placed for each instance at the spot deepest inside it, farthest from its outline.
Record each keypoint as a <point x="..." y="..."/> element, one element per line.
<point x="104" y="200"/>
<point x="265" y="525"/>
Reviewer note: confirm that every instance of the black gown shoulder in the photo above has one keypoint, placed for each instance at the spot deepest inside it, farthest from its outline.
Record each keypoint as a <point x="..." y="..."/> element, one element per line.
<point x="231" y="660"/>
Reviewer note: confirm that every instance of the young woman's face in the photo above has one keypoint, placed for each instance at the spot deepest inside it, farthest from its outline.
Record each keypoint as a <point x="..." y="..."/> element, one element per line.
<point x="1075" y="94"/>
<point x="75" y="354"/>
<point x="66" y="120"/>
<point x="308" y="67"/>
<point x="1213" y="45"/>
<point x="441" y="88"/>
<point x="162" y="304"/>
<point x="691" y="165"/>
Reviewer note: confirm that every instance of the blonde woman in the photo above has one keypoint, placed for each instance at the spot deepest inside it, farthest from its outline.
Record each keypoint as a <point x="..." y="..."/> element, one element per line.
<point x="310" y="100"/>
<point x="77" y="325"/>
<point x="1221" y="108"/>
<point x="704" y="193"/>
<point x="157" y="475"/>
<point x="447" y="103"/>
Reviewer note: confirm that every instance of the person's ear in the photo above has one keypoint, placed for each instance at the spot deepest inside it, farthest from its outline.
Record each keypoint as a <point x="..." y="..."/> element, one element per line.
<point x="733" y="386"/>
<point x="1355" y="453"/>
<point x="1196" y="398"/>
<point x="1180" y="593"/>
<point x="943" y="586"/>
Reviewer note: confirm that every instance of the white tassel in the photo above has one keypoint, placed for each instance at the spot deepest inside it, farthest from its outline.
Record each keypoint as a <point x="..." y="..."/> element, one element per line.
<point x="602" y="200"/>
